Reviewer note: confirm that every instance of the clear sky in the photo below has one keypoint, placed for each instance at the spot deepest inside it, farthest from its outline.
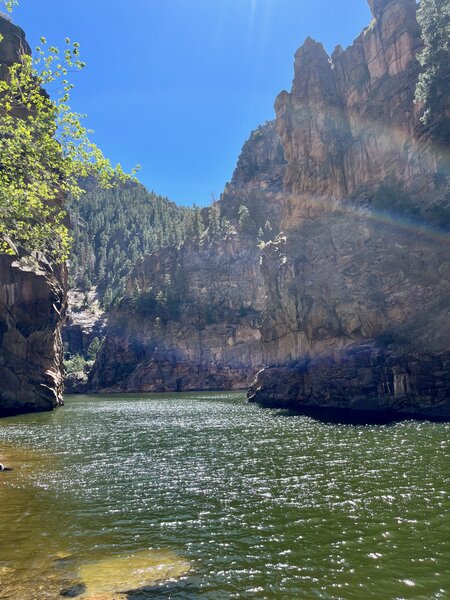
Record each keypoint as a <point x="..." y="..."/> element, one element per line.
<point x="177" y="85"/>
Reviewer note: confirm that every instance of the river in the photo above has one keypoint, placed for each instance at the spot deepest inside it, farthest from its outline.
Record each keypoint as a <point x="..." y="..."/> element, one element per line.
<point x="224" y="499"/>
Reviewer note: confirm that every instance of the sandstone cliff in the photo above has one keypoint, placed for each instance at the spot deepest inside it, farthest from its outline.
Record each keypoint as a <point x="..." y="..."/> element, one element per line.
<point x="32" y="306"/>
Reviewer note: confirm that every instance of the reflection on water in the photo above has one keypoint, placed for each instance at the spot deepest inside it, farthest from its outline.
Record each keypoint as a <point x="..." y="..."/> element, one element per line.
<point x="204" y="496"/>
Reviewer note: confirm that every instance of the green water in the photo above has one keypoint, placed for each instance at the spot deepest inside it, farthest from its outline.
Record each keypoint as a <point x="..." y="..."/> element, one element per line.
<point x="259" y="503"/>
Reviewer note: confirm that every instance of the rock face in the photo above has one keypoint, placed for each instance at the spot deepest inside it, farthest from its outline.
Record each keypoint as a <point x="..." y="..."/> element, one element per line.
<point x="12" y="46"/>
<point x="361" y="378"/>
<point x="203" y="335"/>
<point x="350" y="122"/>
<point x="358" y="288"/>
<point x="32" y="306"/>
<point x="212" y="339"/>
<point x="368" y="333"/>
<point x="257" y="180"/>
<point x="85" y="321"/>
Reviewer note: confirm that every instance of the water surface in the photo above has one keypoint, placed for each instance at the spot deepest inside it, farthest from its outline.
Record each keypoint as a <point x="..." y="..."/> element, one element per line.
<point x="258" y="503"/>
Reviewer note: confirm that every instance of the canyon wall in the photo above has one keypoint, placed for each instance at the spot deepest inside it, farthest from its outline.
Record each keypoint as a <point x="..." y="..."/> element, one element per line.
<point x="199" y="330"/>
<point x="358" y="288"/>
<point x="32" y="306"/>
<point x="211" y="340"/>
<point x="347" y="306"/>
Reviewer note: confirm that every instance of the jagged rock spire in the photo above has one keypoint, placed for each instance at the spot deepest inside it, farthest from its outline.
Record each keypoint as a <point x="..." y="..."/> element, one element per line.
<point x="313" y="77"/>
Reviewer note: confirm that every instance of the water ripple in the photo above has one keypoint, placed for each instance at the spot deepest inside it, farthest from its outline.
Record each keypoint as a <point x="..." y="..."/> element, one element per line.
<point x="261" y="504"/>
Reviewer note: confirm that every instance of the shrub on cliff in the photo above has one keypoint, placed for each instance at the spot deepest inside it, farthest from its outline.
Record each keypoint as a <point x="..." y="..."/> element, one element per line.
<point x="246" y="223"/>
<point x="93" y="348"/>
<point x="75" y="364"/>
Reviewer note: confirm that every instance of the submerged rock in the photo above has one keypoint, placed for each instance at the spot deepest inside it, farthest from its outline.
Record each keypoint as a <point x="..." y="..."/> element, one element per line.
<point x="116" y="575"/>
<point x="73" y="590"/>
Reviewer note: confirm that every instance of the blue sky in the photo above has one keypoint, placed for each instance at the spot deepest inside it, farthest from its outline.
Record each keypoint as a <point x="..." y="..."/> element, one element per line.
<point x="177" y="85"/>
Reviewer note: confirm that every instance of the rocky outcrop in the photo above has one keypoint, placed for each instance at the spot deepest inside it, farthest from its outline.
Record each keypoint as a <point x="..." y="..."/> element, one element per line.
<point x="358" y="287"/>
<point x="364" y="378"/>
<point x="84" y="325"/>
<point x="257" y="181"/>
<point x="13" y="44"/>
<point x="32" y="305"/>
<point x="85" y="321"/>
<point x="355" y="308"/>
<point x="350" y="122"/>
<point x="211" y="340"/>
<point x="192" y="322"/>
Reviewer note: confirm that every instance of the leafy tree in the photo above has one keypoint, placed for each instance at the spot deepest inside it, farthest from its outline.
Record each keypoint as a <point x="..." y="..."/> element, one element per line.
<point x="44" y="151"/>
<point x="434" y="80"/>
<point x="9" y="4"/>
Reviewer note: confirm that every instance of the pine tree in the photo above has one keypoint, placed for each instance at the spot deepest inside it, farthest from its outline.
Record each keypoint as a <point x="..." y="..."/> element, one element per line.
<point x="214" y="227"/>
<point x="246" y="223"/>
<point x="268" y="232"/>
<point x="197" y="227"/>
<point x="113" y="229"/>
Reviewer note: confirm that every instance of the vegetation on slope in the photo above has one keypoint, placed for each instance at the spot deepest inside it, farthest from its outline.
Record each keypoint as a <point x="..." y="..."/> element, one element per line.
<point x="112" y="229"/>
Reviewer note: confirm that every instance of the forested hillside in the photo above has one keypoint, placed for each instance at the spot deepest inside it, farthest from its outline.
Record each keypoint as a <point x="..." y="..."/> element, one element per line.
<point x="113" y="228"/>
